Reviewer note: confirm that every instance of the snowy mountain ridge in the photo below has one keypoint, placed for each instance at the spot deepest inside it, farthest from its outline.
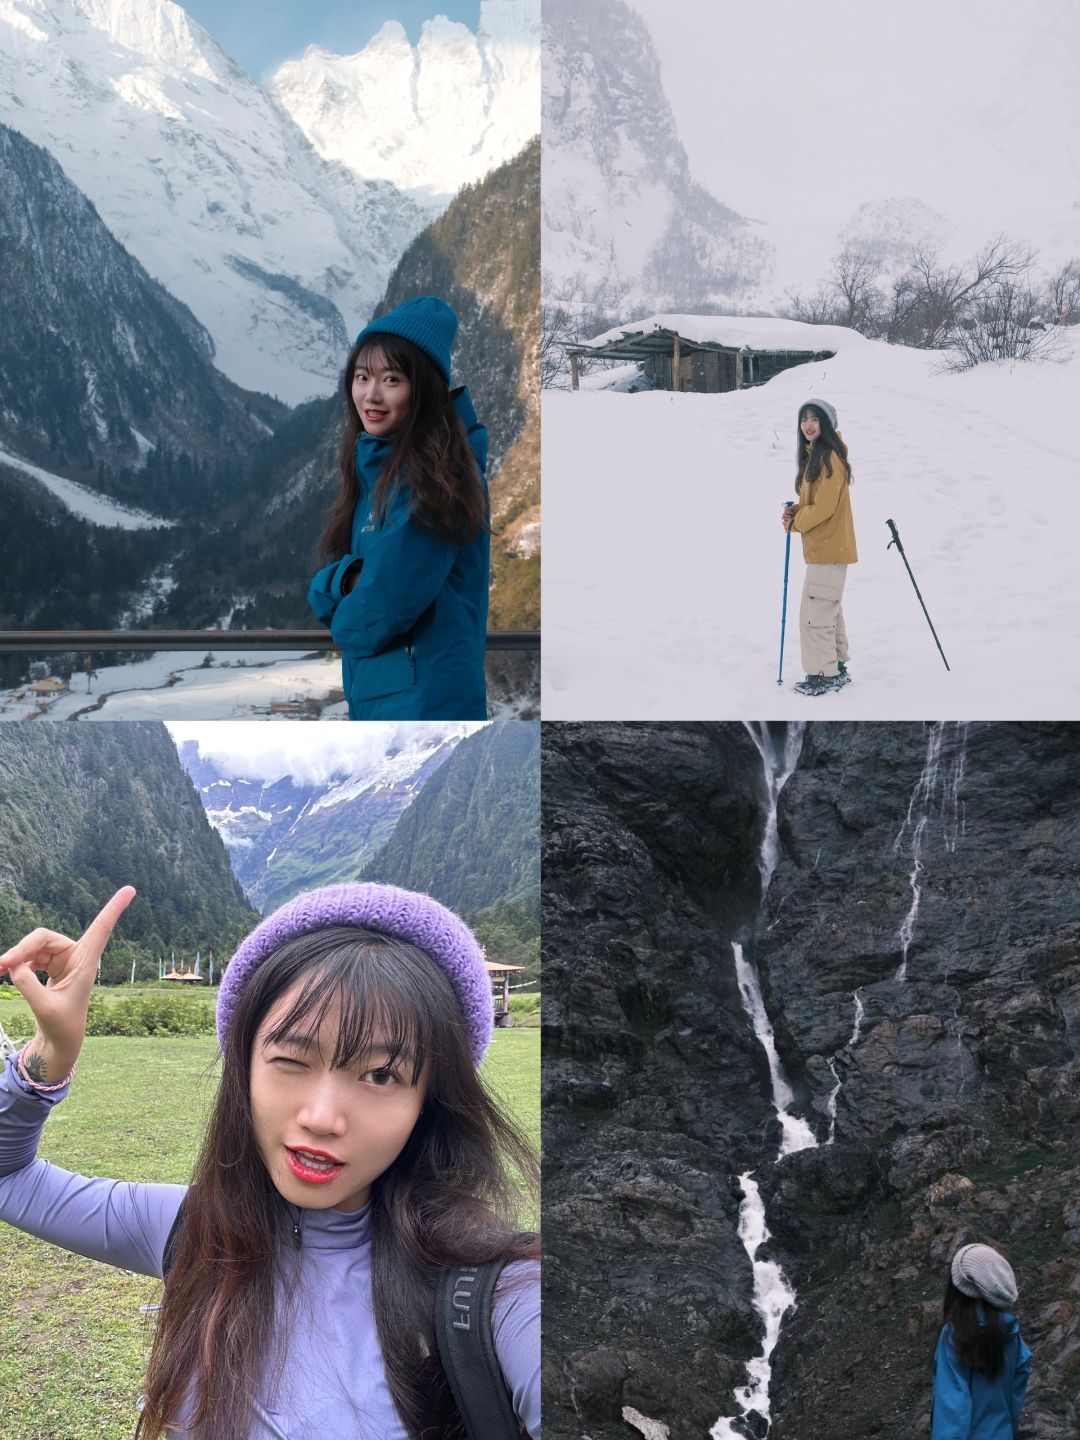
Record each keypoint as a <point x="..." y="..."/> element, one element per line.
<point x="430" y="118"/>
<point x="207" y="181"/>
<point x="287" y="834"/>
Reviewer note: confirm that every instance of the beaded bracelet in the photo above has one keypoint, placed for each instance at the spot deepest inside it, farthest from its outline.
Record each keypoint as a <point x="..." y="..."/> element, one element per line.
<point x="36" y="1084"/>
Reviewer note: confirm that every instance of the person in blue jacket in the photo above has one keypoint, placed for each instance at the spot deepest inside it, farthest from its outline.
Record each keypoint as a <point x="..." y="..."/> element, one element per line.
<point x="405" y="589"/>
<point x="981" y="1364"/>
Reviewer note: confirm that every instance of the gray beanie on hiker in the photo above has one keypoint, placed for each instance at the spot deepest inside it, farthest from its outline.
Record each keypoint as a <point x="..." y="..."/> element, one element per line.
<point x="979" y="1272"/>
<point x="824" y="407"/>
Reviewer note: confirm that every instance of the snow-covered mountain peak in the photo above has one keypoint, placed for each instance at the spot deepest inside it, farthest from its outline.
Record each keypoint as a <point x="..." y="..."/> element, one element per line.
<point x="431" y="117"/>
<point x="207" y="181"/>
<point x="153" y="29"/>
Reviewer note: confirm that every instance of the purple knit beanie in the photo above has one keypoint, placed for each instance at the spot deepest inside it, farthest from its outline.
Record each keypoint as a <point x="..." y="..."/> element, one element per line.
<point x="410" y="916"/>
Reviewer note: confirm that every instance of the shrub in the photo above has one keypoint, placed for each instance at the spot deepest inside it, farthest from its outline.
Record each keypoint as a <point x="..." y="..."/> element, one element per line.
<point x="151" y="1014"/>
<point x="525" y="1004"/>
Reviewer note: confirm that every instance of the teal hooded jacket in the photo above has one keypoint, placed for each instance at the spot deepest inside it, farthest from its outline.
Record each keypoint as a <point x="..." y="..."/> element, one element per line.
<point x="412" y="631"/>
<point x="969" y="1405"/>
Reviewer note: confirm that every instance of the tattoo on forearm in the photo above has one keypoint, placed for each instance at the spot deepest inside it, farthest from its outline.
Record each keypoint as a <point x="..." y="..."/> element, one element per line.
<point x="35" y="1067"/>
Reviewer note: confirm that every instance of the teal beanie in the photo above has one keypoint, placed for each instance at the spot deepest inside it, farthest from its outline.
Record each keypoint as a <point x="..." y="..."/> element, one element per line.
<point x="427" y="321"/>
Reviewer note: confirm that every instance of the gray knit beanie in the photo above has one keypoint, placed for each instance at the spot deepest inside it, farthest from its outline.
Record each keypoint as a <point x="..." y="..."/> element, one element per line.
<point x="979" y="1272"/>
<point x="824" y="407"/>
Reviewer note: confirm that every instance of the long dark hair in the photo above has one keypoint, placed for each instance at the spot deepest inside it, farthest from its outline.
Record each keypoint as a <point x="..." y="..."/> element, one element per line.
<point x="823" y="449"/>
<point x="447" y="1198"/>
<point x="978" y="1333"/>
<point x="431" y="453"/>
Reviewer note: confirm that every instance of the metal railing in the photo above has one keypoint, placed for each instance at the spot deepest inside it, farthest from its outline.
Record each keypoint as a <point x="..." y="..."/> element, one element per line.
<point x="48" y="642"/>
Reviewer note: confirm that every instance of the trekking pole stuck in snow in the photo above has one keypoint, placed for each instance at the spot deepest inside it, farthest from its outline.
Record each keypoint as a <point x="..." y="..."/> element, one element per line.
<point x="783" y="608"/>
<point x="896" y="541"/>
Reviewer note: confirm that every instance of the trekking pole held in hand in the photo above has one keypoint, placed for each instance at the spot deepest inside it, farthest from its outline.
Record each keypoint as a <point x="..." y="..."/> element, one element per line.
<point x="783" y="610"/>
<point x="896" y="541"/>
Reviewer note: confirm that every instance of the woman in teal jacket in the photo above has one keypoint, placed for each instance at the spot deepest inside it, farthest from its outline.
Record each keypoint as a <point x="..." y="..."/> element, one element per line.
<point x="405" y="589"/>
<point x="981" y="1365"/>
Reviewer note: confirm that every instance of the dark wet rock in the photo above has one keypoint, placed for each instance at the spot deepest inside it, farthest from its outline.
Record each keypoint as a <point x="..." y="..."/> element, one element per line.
<point x="958" y="1112"/>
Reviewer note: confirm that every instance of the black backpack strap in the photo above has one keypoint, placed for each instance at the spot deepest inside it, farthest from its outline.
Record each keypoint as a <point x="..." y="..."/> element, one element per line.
<point x="463" y="1329"/>
<point x="174" y="1239"/>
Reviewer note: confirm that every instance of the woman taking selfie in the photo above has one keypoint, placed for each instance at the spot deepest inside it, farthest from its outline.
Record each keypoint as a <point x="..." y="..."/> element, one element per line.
<point x="351" y="1158"/>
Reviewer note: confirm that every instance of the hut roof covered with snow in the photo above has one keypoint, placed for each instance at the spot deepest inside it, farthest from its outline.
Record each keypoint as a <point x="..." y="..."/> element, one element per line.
<point x="714" y="352"/>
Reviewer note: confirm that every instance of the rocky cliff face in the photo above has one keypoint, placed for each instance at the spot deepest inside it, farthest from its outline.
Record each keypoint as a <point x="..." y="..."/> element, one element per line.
<point x="917" y="951"/>
<point x="622" y="215"/>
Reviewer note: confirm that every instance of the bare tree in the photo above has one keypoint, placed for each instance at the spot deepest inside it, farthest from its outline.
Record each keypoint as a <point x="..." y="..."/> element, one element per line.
<point x="946" y="295"/>
<point x="1003" y="324"/>
<point x="576" y="312"/>
<point x="898" y="319"/>
<point x="857" y="301"/>
<point x="816" y="309"/>
<point x="1061" y="299"/>
<point x="557" y="331"/>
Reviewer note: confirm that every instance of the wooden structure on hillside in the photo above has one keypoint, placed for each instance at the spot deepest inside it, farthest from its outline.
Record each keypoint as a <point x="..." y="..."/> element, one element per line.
<point x="500" y="988"/>
<point x="670" y="361"/>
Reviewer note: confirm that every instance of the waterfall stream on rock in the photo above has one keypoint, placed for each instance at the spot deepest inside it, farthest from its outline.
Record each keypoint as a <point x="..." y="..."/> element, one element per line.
<point x="939" y="781"/>
<point x="796" y="1134"/>
<point x="773" y="1296"/>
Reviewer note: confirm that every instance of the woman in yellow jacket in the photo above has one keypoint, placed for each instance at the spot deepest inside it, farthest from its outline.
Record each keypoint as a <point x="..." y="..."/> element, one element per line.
<point x="823" y="519"/>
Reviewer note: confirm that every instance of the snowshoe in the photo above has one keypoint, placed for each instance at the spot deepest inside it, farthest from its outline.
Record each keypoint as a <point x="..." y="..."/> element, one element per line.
<point x="822" y="684"/>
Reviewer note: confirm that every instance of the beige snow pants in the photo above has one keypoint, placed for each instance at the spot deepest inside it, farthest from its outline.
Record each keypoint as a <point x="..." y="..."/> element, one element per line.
<point x="821" y="620"/>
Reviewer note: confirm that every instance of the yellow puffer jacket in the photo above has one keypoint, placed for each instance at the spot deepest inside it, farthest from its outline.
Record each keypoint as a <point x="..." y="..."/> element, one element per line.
<point x="824" y="518"/>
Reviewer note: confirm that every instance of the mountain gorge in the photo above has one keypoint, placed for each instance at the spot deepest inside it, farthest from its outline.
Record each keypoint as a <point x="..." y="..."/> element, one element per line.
<point x="88" y="809"/>
<point x="105" y="378"/>
<point x="917" y="961"/>
<point x="285" y="835"/>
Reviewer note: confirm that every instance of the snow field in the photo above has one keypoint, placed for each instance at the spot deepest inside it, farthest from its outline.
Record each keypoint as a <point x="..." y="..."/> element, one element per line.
<point x="227" y="690"/>
<point x="663" y="571"/>
<point x="86" y="503"/>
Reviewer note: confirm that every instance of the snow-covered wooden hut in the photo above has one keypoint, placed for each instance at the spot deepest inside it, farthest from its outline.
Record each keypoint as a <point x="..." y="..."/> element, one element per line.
<point x="710" y="353"/>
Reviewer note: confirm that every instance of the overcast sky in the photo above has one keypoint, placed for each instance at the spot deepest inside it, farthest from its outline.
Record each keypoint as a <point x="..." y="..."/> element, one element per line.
<point x="312" y="754"/>
<point x="956" y="102"/>
<point x="260" y="34"/>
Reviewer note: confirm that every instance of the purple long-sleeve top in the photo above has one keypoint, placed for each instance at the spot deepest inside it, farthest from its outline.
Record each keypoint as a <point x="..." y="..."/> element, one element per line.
<point x="334" y="1380"/>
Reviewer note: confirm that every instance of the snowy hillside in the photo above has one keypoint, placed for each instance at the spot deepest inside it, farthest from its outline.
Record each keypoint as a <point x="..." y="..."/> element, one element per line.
<point x="619" y="203"/>
<point x="206" y="180"/>
<point x="664" y="557"/>
<point x="429" y="118"/>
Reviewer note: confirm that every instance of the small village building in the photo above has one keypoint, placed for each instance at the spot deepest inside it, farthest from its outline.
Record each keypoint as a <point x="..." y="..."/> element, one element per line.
<point x="50" y="685"/>
<point x="186" y="977"/>
<point x="708" y="354"/>
<point x="500" y="988"/>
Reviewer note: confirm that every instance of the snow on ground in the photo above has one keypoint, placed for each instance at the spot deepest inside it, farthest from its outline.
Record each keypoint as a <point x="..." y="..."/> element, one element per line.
<point x="237" y="685"/>
<point x="86" y="503"/>
<point x="664" y="554"/>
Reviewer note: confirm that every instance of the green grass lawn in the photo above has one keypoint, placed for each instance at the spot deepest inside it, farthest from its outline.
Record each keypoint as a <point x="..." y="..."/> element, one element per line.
<point x="73" y="1345"/>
